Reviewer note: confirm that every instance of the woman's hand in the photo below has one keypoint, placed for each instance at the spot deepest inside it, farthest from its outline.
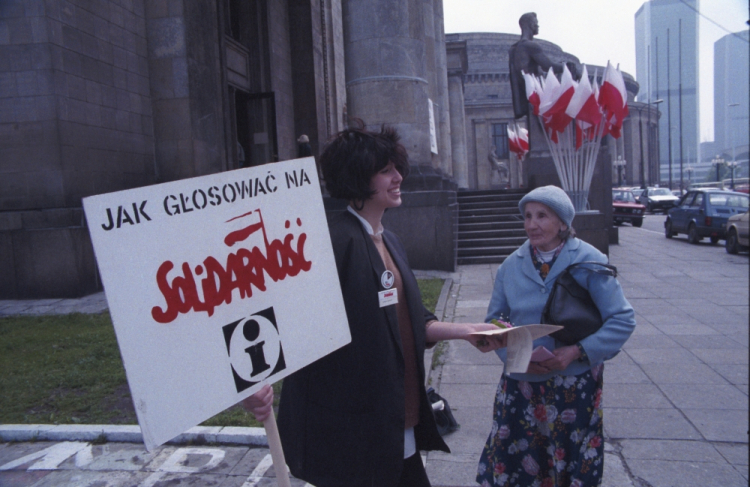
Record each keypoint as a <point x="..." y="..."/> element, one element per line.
<point x="486" y="343"/>
<point x="260" y="403"/>
<point x="563" y="357"/>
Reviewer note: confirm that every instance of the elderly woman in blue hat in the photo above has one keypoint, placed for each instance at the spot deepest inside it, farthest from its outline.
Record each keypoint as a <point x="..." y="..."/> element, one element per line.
<point x="547" y="422"/>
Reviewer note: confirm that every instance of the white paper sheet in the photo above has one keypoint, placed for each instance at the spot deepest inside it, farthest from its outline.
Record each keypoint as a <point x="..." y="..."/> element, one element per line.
<point x="519" y="346"/>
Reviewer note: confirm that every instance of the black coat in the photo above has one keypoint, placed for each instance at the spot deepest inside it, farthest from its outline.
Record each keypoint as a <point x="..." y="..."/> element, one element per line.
<point x="341" y="419"/>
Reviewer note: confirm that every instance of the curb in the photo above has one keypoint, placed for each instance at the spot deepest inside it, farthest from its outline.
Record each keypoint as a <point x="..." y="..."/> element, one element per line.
<point x="224" y="435"/>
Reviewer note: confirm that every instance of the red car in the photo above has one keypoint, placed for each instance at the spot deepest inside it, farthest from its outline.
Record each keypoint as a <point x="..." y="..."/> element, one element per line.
<point x="625" y="208"/>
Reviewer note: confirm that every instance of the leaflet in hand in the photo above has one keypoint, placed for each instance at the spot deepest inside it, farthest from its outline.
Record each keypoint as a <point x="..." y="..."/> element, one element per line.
<point x="520" y="340"/>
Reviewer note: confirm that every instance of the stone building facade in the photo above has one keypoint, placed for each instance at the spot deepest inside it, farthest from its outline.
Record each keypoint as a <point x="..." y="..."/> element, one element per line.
<point x="105" y="95"/>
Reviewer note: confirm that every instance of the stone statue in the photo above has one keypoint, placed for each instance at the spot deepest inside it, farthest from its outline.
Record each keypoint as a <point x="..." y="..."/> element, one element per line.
<point x="499" y="166"/>
<point x="527" y="55"/>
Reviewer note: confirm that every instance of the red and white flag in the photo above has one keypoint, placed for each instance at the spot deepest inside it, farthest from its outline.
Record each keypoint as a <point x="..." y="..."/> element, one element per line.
<point x="533" y="90"/>
<point x="583" y="105"/>
<point x="613" y="99"/>
<point x="518" y="142"/>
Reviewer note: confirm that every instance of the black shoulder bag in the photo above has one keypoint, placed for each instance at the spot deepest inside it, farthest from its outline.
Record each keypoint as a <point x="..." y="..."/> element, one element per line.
<point x="569" y="305"/>
<point x="446" y="423"/>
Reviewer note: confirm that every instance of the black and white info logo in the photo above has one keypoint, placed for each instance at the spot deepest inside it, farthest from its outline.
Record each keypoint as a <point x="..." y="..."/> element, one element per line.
<point x="254" y="348"/>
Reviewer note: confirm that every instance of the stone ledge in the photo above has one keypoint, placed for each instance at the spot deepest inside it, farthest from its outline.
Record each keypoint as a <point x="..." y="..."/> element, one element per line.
<point x="228" y="435"/>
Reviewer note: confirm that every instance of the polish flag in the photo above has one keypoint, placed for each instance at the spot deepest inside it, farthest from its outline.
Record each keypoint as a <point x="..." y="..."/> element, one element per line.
<point x="583" y="105"/>
<point x="533" y="90"/>
<point x="518" y="142"/>
<point x="613" y="99"/>
<point x="555" y="116"/>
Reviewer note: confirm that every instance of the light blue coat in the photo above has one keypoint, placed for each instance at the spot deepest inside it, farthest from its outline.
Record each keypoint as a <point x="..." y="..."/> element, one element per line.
<point x="520" y="294"/>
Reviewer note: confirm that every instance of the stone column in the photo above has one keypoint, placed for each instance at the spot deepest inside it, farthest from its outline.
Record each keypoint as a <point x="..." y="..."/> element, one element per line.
<point x="387" y="76"/>
<point x="185" y="85"/>
<point x="458" y="130"/>
<point x="441" y="73"/>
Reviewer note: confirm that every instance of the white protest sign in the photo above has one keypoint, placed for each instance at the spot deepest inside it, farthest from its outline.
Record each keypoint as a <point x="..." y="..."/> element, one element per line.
<point x="216" y="285"/>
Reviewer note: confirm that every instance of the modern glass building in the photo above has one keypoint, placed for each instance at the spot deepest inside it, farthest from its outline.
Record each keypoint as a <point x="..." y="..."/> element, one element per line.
<point x="666" y="43"/>
<point x="731" y="93"/>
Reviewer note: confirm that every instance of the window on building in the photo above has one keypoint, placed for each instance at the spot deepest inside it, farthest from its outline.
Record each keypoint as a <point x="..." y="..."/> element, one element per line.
<point x="500" y="139"/>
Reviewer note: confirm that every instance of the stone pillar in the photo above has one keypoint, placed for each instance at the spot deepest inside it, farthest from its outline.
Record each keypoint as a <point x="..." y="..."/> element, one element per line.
<point x="458" y="130"/>
<point x="185" y="86"/>
<point x="387" y="76"/>
<point x="441" y="73"/>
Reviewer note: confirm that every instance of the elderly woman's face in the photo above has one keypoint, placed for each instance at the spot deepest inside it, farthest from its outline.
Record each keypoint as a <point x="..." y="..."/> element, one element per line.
<point x="542" y="226"/>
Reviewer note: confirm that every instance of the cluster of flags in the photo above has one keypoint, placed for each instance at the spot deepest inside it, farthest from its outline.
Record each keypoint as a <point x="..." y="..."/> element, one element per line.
<point x="575" y="116"/>
<point x="518" y="141"/>
<point x="596" y="110"/>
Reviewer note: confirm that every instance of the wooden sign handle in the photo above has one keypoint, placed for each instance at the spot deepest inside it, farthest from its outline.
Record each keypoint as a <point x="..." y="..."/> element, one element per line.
<point x="277" y="453"/>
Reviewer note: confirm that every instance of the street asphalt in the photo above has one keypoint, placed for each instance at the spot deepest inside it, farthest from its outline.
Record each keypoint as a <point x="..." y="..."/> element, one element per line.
<point x="675" y="398"/>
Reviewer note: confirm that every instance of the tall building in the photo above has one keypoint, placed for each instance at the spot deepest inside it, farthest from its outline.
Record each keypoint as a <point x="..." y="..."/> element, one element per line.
<point x="731" y="93"/>
<point x="666" y="43"/>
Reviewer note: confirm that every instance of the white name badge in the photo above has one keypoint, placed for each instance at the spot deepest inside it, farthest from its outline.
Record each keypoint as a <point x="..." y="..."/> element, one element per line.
<point x="388" y="297"/>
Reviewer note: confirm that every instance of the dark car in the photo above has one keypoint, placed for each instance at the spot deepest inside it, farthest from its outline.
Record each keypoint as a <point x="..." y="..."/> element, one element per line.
<point x="704" y="213"/>
<point x="657" y="199"/>
<point x="625" y="208"/>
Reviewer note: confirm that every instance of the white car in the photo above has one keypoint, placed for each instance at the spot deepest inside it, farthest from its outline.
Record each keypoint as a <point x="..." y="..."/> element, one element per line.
<point x="657" y="199"/>
<point x="738" y="236"/>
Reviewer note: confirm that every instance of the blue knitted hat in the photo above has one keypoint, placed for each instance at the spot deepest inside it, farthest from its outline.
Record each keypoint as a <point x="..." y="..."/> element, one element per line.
<point x="553" y="197"/>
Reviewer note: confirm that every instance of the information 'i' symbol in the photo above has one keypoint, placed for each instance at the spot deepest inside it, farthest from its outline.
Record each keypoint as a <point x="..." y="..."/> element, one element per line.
<point x="251" y="331"/>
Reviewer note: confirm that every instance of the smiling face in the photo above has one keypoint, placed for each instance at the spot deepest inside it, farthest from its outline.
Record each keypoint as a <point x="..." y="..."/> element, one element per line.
<point x="542" y="226"/>
<point x="386" y="184"/>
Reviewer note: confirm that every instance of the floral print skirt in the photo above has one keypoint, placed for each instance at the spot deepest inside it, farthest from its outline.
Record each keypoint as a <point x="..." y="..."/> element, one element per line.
<point x="546" y="434"/>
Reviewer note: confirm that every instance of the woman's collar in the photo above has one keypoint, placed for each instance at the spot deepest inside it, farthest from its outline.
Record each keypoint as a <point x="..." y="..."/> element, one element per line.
<point x="365" y="224"/>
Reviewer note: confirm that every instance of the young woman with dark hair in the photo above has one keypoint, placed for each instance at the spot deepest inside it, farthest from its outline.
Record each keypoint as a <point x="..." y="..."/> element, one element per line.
<point x="360" y="416"/>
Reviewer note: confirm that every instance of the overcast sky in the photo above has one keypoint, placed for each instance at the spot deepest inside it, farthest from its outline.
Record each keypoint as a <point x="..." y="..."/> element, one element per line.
<point x="600" y="30"/>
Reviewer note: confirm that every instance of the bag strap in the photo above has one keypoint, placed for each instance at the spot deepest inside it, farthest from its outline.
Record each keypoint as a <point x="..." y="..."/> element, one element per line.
<point x="609" y="270"/>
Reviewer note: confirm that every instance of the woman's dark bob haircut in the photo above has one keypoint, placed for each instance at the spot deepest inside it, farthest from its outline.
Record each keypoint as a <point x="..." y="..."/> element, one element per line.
<point x="355" y="155"/>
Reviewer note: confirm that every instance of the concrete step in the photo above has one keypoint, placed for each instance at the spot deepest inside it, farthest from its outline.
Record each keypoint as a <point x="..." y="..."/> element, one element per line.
<point x="488" y="250"/>
<point x="480" y="211"/>
<point x="490" y="218"/>
<point x="511" y="243"/>
<point x="483" y="259"/>
<point x="492" y="241"/>
<point x="491" y="234"/>
<point x="477" y="226"/>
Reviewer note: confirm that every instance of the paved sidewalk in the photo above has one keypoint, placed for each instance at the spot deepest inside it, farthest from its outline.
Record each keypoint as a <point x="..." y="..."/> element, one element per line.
<point x="676" y="398"/>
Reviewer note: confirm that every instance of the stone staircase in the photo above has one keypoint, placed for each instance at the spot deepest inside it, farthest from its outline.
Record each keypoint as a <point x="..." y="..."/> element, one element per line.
<point x="490" y="227"/>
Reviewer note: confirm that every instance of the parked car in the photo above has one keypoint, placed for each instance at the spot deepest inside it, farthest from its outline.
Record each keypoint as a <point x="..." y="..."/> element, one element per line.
<point x="626" y="209"/>
<point x="738" y="235"/>
<point x="704" y="213"/>
<point x="636" y="192"/>
<point x="657" y="199"/>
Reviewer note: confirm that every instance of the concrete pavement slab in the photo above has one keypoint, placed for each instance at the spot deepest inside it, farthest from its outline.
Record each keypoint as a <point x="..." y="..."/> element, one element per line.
<point x="716" y="341"/>
<point x="471" y="374"/>
<point x="615" y="474"/>
<point x="635" y="396"/>
<point x="668" y="474"/>
<point x="657" y="424"/>
<point x="650" y="342"/>
<point x="725" y="356"/>
<point x="664" y="356"/>
<point x="729" y="425"/>
<point x="643" y="327"/>
<point x="737" y="375"/>
<point x="715" y="397"/>
<point x="625" y="374"/>
<point x="734" y="453"/>
<point x="671" y="450"/>
<point x="682" y="374"/>
<point x="468" y="395"/>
